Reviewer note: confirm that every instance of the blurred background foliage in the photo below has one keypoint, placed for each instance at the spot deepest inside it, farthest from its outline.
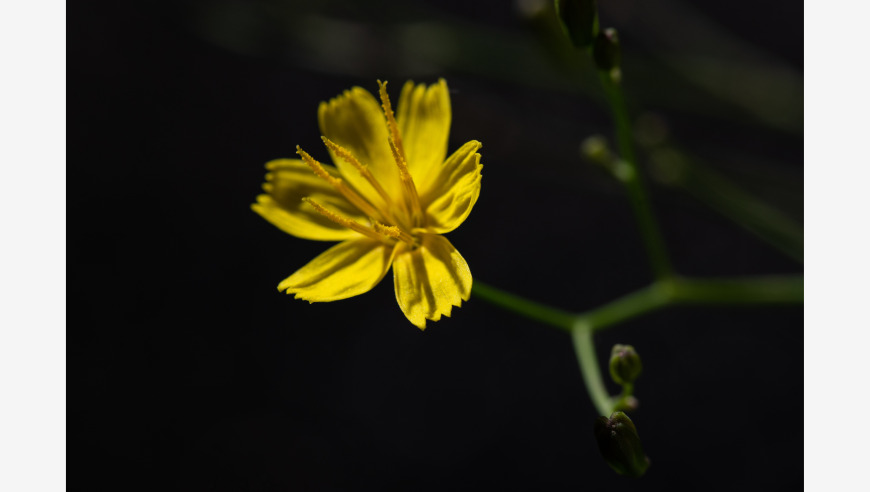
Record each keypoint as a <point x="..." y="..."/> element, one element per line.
<point x="194" y="374"/>
<point x="679" y="58"/>
<point x="677" y="45"/>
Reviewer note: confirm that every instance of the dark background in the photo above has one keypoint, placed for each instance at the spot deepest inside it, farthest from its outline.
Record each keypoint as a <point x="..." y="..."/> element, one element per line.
<point x="189" y="371"/>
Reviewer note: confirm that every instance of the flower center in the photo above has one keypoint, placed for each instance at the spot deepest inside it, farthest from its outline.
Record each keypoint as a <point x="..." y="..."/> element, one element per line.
<point x="390" y="222"/>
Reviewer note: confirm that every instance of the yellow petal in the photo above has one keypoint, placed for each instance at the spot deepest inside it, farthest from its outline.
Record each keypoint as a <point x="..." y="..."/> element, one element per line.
<point x="454" y="190"/>
<point x="348" y="269"/>
<point x="430" y="280"/>
<point x="288" y="181"/>
<point x="424" y="122"/>
<point x="355" y="121"/>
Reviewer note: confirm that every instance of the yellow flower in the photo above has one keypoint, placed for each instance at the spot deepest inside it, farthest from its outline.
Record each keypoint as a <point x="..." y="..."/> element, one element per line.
<point x="389" y="198"/>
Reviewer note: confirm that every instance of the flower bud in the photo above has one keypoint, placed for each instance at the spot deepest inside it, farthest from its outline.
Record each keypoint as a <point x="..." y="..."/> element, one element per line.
<point x="620" y="446"/>
<point x="606" y="51"/>
<point x="579" y="19"/>
<point x="625" y="364"/>
<point x="595" y="149"/>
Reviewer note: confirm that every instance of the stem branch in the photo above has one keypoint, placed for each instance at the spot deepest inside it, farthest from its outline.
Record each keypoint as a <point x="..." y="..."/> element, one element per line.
<point x="661" y="293"/>
<point x="655" y="296"/>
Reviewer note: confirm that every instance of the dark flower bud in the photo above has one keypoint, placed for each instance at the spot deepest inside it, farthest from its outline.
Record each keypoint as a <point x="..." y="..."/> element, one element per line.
<point x="605" y="51"/>
<point x="625" y="364"/>
<point x="620" y="446"/>
<point x="579" y="19"/>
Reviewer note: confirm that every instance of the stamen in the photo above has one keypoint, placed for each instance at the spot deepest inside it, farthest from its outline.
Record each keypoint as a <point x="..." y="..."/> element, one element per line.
<point x="336" y="183"/>
<point x="394" y="232"/>
<point x="408" y="184"/>
<point x="391" y="118"/>
<point x="363" y="170"/>
<point x="399" y="155"/>
<point x="342" y="220"/>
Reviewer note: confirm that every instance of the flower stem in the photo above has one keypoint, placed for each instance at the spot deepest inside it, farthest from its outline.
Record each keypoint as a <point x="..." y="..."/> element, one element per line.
<point x="584" y="347"/>
<point x="661" y="293"/>
<point x="639" y="302"/>
<point x="633" y="180"/>
<point x="520" y="305"/>
<point x="773" y="289"/>
<point x="735" y="291"/>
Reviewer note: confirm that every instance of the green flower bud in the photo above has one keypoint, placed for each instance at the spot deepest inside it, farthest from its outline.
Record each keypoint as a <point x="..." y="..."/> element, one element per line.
<point x="595" y="149"/>
<point x="579" y="19"/>
<point x="620" y="446"/>
<point x="625" y="364"/>
<point x="606" y="51"/>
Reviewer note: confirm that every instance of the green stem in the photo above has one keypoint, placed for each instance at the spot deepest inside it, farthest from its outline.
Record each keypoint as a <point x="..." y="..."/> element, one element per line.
<point x="520" y="305"/>
<point x="622" y="402"/>
<point x="652" y="237"/>
<point x="773" y="289"/>
<point x="584" y="347"/>
<point x="635" y="304"/>
<point x="661" y="293"/>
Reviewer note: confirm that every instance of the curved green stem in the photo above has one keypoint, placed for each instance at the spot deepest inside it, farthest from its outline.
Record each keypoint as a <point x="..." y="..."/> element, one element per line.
<point x="661" y="293"/>
<point x="633" y="180"/>
<point x="584" y="347"/>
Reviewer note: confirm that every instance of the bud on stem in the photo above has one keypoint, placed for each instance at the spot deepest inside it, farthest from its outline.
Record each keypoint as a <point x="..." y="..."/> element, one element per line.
<point x="620" y="446"/>
<point x="579" y="19"/>
<point x="625" y="365"/>
<point x="606" y="53"/>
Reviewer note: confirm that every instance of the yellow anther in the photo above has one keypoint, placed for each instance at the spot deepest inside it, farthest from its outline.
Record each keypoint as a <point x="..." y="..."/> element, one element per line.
<point x="399" y="155"/>
<point x="408" y="184"/>
<point x="393" y="232"/>
<point x="345" y="155"/>
<point x="336" y="183"/>
<point x="317" y="167"/>
<point x="391" y="118"/>
<point x="342" y="220"/>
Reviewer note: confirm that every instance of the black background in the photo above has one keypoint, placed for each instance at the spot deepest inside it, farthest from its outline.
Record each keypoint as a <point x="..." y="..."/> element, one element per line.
<point x="189" y="371"/>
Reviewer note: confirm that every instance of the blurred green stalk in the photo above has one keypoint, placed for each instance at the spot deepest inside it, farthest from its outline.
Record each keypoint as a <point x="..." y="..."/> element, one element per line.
<point x="633" y="181"/>
<point x="754" y="215"/>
